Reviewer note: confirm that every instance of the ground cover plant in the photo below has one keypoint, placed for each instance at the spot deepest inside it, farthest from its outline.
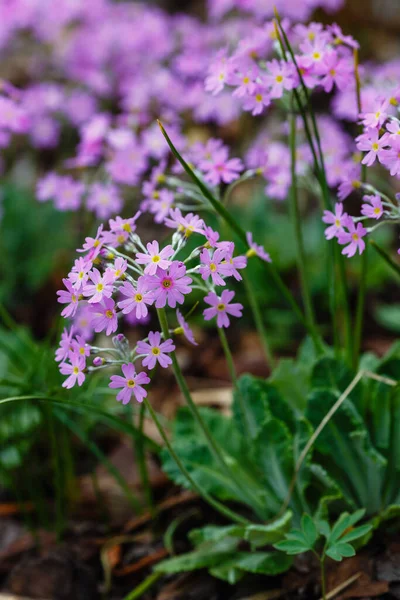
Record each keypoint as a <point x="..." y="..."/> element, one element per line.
<point x="185" y="229"/>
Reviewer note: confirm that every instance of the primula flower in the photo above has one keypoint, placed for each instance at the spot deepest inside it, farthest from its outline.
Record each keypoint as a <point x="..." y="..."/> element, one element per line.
<point x="221" y="308"/>
<point x="118" y="269"/>
<point x="155" y="351"/>
<point x="80" y="273"/>
<point x="211" y="236"/>
<point x="390" y="158"/>
<point x="223" y="170"/>
<point x="65" y="345"/>
<point x="160" y="207"/>
<point x="102" y="286"/>
<point x="378" y="117"/>
<point x="230" y="265"/>
<point x="104" y="200"/>
<point x="371" y="142"/>
<point x="136" y="299"/>
<point x="337" y="221"/>
<point x="335" y="69"/>
<point x="104" y="316"/>
<point x="93" y="245"/>
<point x="258" y="100"/>
<point x="218" y="74"/>
<point x="353" y="238"/>
<point x="68" y="195"/>
<point x="80" y="347"/>
<point x="187" y="224"/>
<point x="74" y="370"/>
<point x="169" y="287"/>
<point x="46" y="187"/>
<point x="155" y="258"/>
<point x="131" y="383"/>
<point x="184" y="328"/>
<point x="256" y="249"/>
<point x="374" y="208"/>
<point x="282" y="76"/>
<point x="70" y="297"/>
<point x="211" y="265"/>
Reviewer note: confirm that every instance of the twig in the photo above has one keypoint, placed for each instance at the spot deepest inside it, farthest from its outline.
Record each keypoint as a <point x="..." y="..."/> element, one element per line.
<point x="342" y="586"/>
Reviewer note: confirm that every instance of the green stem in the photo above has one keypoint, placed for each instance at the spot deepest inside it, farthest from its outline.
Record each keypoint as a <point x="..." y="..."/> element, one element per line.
<point x="301" y="255"/>
<point x="258" y="320"/>
<point x="359" y="320"/>
<point x="227" y="512"/>
<point x="388" y="259"/>
<point x="212" y="444"/>
<point x="323" y="580"/>
<point x="143" y="587"/>
<point x="141" y="459"/>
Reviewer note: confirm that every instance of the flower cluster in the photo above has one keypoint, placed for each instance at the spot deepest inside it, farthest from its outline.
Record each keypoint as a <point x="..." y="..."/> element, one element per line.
<point x="117" y="276"/>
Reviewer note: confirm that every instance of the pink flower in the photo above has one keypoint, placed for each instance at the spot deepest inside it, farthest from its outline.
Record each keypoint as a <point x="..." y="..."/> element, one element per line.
<point x="80" y="273"/>
<point x="378" y="117"/>
<point x="184" y="328"/>
<point x="80" y="347"/>
<point x="104" y="200"/>
<point x="257" y="101"/>
<point x="65" y="345"/>
<point x="353" y="238"/>
<point x="187" y="224"/>
<point x="74" y="370"/>
<point x="93" y="245"/>
<point x="211" y="236"/>
<point x="335" y="69"/>
<point x="118" y="269"/>
<point x="337" y="220"/>
<point x="371" y="142"/>
<point x="211" y="265"/>
<point x="221" y="308"/>
<point x="169" y="287"/>
<point x="160" y="206"/>
<point x="136" y="299"/>
<point x="155" y="351"/>
<point x="391" y="157"/>
<point x="218" y="74"/>
<point x="104" y="316"/>
<point x="231" y="264"/>
<point x="373" y="210"/>
<point x="155" y="259"/>
<point x="101" y="287"/>
<point x="256" y="249"/>
<point x="131" y="383"/>
<point x="282" y="76"/>
<point x="70" y="297"/>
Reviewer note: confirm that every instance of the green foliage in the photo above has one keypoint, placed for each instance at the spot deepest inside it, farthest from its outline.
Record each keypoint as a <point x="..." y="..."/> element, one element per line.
<point x="319" y="538"/>
<point x="351" y="469"/>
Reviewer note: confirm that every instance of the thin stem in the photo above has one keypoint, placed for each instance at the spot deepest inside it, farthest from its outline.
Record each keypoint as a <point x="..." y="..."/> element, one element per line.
<point x="323" y="580"/>
<point x="227" y="512"/>
<point x="212" y="444"/>
<point x="301" y="255"/>
<point x="143" y="587"/>
<point x="142" y="464"/>
<point x="359" y="320"/>
<point x="258" y="320"/>
<point x="388" y="259"/>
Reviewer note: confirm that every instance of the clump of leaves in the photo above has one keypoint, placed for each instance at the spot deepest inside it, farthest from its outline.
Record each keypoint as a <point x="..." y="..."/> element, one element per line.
<point x="287" y="463"/>
<point x="324" y="541"/>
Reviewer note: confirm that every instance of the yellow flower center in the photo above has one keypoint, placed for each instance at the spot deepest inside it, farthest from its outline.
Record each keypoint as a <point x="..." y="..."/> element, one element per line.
<point x="156" y="351"/>
<point x="138" y="298"/>
<point x="332" y="72"/>
<point x="130" y="383"/>
<point x="378" y="114"/>
<point x="311" y="36"/>
<point x="160" y="178"/>
<point x="99" y="287"/>
<point x="167" y="283"/>
<point x="109" y="314"/>
<point x="221" y="306"/>
<point x="213" y="267"/>
<point x="316" y="55"/>
<point x="337" y="222"/>
<point x="259" y="98"/>
<point x="356" y="184"/>
<point x="393" y="101"/>
<point x="251" y="252"/>
<point x="156" y="259"/>
<point x="246" y="79"/>
<point x="82" y="350"/>
<point x="279" y="78"/>
<point x="355" y="237"/>
<point x="375" y="147"/>
<point x="377" y="210"/>
<point x="73" y="298"/>
<point x="81" y="275"/>
<point x="126" y="227"/>
<point x="120" y="238"/>
<point x="75" y="370"/>
<point x="96" y="243"/>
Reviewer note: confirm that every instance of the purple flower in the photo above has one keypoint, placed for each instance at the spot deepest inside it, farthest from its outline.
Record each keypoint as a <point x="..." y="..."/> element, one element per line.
<point x="221" y="308"/>
<point x="80" y="347"/>
<point x="353" y="238"/>
<point x="187" y="224"/>
<point x="47" y="186"/>
<point x="155" y="259"/>
<point x="211" y="265"/>
<point x="373" y="210"/>
<point x="184" y="328"/>
<point x="80" y="273"/>
<point x="131" y="383"/>
<point x="136" y="299"/>
<point x="104" y="200"/>
<point x="258" y="100"/>
<point x="378" y="117"/>
<point x="74" y="370"/>
<point x="101" y="286"/>
<point x="371" y="142"/>
<point x="155" y="351"/>
<point x="68" y="195"/>
<point x="337" y="220"/>
<point x="256" y="249"/>
<point x="65" y="345"/>
<point x="391" y="157"/>
<point x="104" y="316"/>
<point x="93" y="245"/>
<point x="282" y="76"/>
<point x="169" y="287"/>
<point x="118" y="269"/>
<point x="70" y="297"/>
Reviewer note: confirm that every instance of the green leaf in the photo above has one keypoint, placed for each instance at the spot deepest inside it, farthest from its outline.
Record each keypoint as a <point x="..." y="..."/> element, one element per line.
<point x="291" y="379"/>
<point x="263" y="535"/>
<point x="292" y="547"/>
<point x="339" y="551"/>
<point x="388" y="315"/>
<point x="263" y="563"/>
<point x="356" y="533"/>
<point x="209" y="555"/>
<point x="255" y="399"/>
<point x="309" y="530"/>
